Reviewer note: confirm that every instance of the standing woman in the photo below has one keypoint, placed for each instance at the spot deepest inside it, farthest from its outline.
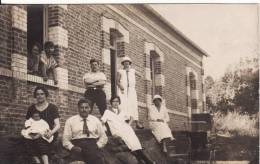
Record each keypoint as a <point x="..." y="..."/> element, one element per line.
<point x="158" y="120"/>
<point x="127" y="92"/>
<point x="49" y="113"/>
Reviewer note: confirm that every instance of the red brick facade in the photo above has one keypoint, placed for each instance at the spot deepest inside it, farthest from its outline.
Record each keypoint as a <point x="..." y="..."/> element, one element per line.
<point x="82" y="32"/>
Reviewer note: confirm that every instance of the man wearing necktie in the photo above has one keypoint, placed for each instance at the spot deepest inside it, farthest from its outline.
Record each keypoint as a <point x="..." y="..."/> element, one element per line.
<point x="84" y="134"/>
<point x="127" y="92"/>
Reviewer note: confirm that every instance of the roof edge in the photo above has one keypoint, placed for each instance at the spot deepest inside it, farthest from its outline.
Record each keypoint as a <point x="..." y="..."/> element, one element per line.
<point x="178" y="32"/>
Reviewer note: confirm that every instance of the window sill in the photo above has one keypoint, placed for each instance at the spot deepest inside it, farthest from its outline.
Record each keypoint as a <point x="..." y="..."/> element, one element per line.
<point x="39" y="80"/>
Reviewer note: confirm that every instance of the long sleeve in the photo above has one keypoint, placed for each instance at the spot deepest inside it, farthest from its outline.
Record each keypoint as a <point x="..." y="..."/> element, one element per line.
<point x="102" y="135"/>
<point x="67" y="136"/>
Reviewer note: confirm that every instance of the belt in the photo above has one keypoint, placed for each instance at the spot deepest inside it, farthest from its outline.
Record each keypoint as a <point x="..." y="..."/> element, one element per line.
<point x="94" y="88"/>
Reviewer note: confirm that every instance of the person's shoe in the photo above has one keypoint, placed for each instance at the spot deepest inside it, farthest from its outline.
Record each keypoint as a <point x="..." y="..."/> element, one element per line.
<point x="55" y="82"/>
<point x="139" y="125"/>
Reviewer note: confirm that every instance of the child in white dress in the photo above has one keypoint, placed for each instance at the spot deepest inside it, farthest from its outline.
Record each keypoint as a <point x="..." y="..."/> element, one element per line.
<point x="36" y="126"/>
<point x="116" y="120"/>
<point x="34" y="133"/>
<point x="158" y="120"/>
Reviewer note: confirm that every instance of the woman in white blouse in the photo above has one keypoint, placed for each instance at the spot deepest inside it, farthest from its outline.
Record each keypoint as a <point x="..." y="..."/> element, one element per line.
<point x="116" y="120"/>
<point x="158" y="120"/>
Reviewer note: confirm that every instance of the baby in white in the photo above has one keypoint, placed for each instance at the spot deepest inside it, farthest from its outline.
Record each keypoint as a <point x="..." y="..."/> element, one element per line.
<point x="36" y="126"/>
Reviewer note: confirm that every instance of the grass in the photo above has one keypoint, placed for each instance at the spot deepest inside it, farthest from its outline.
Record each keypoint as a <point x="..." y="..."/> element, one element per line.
<point x="235" y="124"/>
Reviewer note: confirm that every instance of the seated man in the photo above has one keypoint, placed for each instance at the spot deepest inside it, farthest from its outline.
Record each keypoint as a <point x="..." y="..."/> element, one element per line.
<point x="84" y="134"/>
<point x="48" y="63"/>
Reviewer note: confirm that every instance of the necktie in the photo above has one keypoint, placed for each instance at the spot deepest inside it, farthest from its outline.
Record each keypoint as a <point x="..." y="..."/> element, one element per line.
<point x="127" y="77"/>
<point x="85" y="127"/>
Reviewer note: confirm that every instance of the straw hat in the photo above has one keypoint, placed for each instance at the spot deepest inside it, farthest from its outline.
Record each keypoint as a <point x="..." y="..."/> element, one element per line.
<point x="157" y="97"/>
<point x="126" y="58"/>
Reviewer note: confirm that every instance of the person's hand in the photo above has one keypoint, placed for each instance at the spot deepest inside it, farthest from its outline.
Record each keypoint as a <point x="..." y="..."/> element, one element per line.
<point x="48" y="134"/>
<point x="34" y="137"/>
<point x="76" y="149"/>
<point x="122" y="89"/>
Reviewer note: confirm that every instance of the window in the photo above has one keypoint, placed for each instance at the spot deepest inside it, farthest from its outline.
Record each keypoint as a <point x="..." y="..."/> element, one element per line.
<point x="153" y="68"/>
<point x="113" y="61"/>
<point x="37" y="25"/>
<point x="192" y="81"/>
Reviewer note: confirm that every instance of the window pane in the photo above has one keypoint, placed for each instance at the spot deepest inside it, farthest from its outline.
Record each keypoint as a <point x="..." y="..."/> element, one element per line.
<point x="34" y="25"/>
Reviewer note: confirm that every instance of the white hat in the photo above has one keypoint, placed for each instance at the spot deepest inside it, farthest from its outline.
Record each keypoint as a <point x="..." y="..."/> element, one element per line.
<point x="157" y="97"/>
<point x="126" y="58"/>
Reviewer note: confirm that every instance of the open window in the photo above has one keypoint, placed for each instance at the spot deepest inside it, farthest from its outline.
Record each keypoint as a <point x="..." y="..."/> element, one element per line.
<point x="37" y="26"/>
<point x="114" y="35"/>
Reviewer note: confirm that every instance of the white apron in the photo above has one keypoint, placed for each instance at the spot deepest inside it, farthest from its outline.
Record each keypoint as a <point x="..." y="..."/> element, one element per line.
<point x="129" y="97"/>
<point x="160" y="130"/>
<point x="121" y="129"/>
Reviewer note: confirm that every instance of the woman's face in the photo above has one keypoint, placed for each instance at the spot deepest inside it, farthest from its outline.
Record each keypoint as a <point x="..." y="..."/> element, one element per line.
<point x="115" y="103"/>
<point x="35" y="50"/>
<point x="40" y="96"/>
<point x="157" y="102"/>
<point x="126" y="64"/>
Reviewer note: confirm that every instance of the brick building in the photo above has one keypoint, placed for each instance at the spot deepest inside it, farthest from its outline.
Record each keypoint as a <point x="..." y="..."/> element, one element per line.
<point x="166" y="62"/>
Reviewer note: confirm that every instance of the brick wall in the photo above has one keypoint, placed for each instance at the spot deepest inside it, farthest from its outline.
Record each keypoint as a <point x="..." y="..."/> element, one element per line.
<point x="78" y="34"/>
<point x="5" y="36"/>
<point x="84" y="36"/>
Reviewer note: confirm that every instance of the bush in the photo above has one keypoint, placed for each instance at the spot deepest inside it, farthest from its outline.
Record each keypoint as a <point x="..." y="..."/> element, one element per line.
<point x="236" y="124"/>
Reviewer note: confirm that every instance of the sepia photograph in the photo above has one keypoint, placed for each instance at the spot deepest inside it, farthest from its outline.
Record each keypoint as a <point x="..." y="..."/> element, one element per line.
<point x="129" y="83"/>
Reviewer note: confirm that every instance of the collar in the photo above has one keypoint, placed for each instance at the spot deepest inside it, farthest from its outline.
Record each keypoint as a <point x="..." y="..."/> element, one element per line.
<point x="116" y="111"/>
<point x="82" y="119"/>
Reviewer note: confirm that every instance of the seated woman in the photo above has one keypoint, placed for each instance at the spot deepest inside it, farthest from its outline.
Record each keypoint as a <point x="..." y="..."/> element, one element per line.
<point x="119" y="128"/>
<point x="49" y="113"/>
<point x="158" y="118"/>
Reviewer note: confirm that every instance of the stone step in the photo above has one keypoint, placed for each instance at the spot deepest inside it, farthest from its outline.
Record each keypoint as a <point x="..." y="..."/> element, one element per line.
<point x="151" y="147"/>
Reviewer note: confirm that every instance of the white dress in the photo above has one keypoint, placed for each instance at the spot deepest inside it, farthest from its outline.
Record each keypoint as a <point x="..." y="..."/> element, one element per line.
<point x="129" y="97"/>
<point x="120" y="128"/>
<point x="33" y="126"/>
<point x="160" y="130"/>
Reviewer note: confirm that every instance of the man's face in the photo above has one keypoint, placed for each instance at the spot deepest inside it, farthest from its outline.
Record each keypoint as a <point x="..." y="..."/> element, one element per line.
<point x="94" y="66"/>
<point x="49" y="50"/>
<point x="36" y="116"/>
<point x="84" y="110"/>
<point x="40" y="96"/>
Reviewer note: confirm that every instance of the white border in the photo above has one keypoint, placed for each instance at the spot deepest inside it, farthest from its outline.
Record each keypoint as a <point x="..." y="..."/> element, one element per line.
<point x="122" y="1"/>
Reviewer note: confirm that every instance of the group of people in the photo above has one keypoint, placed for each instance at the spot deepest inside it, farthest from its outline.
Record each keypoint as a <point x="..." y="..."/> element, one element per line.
<point x="84" y="134"/>
<point x="42" y="61"/>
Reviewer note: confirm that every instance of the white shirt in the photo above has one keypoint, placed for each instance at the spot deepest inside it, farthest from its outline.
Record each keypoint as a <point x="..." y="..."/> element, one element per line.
<point x="91" y="77"/>
<point x="74" y="130"/>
